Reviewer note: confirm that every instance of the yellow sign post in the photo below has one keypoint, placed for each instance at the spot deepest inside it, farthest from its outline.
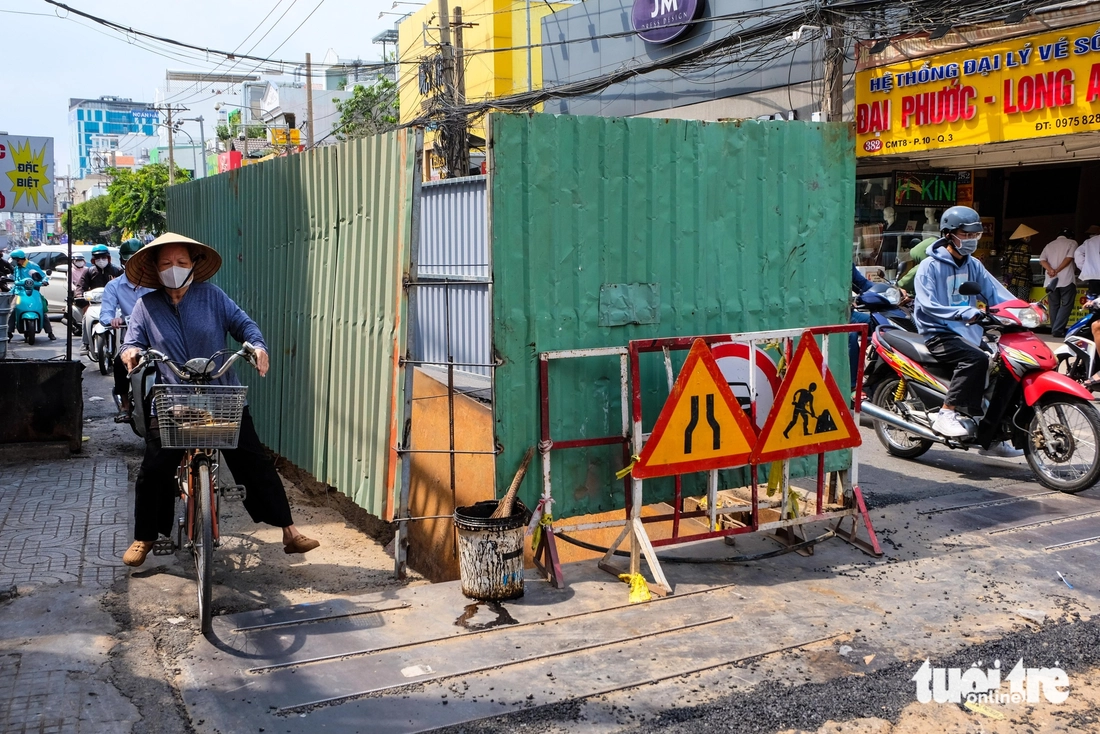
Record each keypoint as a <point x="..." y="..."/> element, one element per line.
<point x="1034" y="87"/>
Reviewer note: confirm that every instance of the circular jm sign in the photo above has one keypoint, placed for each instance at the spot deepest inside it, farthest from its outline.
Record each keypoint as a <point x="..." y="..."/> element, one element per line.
<point x="660" y="21"/>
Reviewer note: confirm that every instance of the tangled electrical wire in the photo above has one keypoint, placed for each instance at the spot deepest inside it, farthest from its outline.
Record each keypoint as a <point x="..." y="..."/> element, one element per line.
<point x="753" y="41"/>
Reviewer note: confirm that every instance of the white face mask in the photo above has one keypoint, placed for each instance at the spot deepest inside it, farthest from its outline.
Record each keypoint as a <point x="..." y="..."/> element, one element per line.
<point x="101" y="262"/>
<point x="175" y="277"/>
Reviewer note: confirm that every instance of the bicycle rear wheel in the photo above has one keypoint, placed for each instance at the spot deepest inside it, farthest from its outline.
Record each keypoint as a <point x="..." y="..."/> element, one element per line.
<point x="203" y="540"/>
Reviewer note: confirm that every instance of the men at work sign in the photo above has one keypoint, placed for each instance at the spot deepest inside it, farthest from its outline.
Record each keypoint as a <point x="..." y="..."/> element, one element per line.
<point x="1031" y="87"/>
<point x="26" y="174"/>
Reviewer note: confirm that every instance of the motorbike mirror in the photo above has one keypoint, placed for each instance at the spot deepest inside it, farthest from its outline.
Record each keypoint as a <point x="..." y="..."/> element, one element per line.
<point x="970" y="288"/>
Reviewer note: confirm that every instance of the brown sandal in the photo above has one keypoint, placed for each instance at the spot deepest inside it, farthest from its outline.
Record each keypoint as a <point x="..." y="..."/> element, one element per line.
<point x="136" y="553"/>
<point x="300" y="544"/>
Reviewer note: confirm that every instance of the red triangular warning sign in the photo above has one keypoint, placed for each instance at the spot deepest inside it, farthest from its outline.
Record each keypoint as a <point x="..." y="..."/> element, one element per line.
<point x="701" y="425"/>
<point x="809" y="415"/>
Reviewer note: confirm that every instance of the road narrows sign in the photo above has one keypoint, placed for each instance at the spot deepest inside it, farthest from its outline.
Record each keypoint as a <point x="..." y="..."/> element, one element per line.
<point x="809" y="415"/>
<point x="701" y="425"/>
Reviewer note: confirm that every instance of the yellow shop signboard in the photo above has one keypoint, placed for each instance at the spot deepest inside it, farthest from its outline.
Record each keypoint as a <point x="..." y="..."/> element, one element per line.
<point x="1031" y="87"/>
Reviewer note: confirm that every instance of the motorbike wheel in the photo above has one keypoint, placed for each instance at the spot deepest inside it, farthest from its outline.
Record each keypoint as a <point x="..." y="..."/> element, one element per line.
<point x="29" y="333"/>
<point x="896" y="441"/>
<point x="104" y="358"/>
<point x="1071" y="461"/>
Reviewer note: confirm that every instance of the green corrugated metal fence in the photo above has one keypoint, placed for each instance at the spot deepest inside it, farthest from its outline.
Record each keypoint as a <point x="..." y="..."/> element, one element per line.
<point x="315" y="247"/>
<point x="741" y="226"/>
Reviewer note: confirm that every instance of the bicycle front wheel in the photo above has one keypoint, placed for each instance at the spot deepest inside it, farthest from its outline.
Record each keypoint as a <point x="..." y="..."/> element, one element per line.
<point x="203" y="540"/>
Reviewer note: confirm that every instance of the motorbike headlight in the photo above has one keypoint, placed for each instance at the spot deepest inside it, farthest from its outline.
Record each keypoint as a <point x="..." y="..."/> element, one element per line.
<point x="1027" y="316"/>
<point x="893" y="295"/>
<point x="95" y="298"/>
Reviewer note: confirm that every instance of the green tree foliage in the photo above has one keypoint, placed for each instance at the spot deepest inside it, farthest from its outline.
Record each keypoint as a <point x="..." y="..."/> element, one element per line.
<point x="91" y="220"/>
<point x="230" y="129"/>
<point x="370" y="111"/>
<point x="139" y="198"/>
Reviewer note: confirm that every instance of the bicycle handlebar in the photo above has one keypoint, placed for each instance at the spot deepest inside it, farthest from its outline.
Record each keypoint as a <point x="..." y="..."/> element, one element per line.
<point x="188" y="374"/>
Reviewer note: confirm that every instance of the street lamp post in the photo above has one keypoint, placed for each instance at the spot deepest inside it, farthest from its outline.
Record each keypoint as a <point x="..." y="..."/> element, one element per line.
<point x="202" y="139"/>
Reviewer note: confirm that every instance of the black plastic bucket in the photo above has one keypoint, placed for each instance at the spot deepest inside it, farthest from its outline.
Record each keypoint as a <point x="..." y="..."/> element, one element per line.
<point x="490" y="551"/>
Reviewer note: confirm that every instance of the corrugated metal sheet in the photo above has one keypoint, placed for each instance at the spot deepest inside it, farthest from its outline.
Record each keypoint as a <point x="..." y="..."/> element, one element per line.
<point x="454" y="245"/>
<point x="314" y="247"/>
<point x="454" y="228"/>
<point x="744" y="226"/>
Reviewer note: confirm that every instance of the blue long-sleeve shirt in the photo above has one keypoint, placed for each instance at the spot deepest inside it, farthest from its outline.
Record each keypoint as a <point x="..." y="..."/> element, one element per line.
<point x="940" y="308"/>
<point x="119" y="293"/>
<point x="196" y="327"/>
<point x="860" y="284"/>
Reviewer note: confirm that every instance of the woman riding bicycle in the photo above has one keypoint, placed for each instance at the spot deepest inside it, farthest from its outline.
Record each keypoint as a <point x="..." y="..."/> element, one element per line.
<point x="185" y="318"/>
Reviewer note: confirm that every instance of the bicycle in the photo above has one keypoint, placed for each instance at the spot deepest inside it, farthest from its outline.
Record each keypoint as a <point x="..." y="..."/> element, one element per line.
<point x="202" y="419"/>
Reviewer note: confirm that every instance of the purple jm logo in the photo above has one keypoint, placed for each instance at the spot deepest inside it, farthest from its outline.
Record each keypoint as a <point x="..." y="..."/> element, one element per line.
<point x="660" y="21"/>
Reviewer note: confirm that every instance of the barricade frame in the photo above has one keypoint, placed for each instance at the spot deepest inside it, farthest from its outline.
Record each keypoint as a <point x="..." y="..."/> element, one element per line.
<point x="842" y="487"/>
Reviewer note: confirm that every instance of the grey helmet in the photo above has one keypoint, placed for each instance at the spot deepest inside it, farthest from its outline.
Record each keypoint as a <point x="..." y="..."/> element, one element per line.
<point x="960" y="218"/>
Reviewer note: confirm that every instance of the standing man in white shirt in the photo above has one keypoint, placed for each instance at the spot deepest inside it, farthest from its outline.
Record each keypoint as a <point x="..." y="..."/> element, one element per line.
<point x="1061" y="280"/>
<point x="1087" y="259"/>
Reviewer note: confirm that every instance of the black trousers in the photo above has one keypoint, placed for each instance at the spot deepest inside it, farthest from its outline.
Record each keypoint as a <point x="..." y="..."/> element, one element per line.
<point x="156" y="490"/>
<point x="122" y="381"/>
<point x="971" y="365"/>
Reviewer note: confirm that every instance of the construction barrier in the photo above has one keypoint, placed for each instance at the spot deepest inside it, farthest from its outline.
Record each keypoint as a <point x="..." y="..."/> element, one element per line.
<point x="758" y="412"/>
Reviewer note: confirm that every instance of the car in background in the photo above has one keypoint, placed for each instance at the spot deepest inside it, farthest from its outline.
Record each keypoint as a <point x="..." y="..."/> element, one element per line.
<point x="54" y="259"/>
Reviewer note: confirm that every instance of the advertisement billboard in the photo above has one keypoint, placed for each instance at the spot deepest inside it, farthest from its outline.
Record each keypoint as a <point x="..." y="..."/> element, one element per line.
<point x="1030" y="87"/>
<point x="26" y="174"/>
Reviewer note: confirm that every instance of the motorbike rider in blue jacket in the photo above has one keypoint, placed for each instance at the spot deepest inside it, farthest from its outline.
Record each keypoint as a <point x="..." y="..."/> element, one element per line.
<point x="948" y="319"/>
<point x="22" y="270"/>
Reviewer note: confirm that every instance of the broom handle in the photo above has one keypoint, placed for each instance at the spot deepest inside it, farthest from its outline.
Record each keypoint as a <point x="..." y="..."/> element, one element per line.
<point x="510" y="495"/>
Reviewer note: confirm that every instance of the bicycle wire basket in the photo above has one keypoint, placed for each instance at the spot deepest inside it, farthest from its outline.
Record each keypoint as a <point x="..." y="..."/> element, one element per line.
<point x="199" y="416"/>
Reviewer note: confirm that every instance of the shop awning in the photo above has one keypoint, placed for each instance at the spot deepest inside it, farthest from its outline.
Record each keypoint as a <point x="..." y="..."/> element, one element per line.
<point x="1066" y="149"/>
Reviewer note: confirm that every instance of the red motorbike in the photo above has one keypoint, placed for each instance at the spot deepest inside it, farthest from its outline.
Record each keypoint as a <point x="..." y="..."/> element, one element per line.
<point x="1027" y="402"/>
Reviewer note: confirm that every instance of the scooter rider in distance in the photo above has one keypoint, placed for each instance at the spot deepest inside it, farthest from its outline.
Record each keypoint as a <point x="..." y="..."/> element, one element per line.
<point x="118" y="301"/>
<point x="102" y="271"/>
<point x="947" y="319"/>
<point x="22" y="269"/>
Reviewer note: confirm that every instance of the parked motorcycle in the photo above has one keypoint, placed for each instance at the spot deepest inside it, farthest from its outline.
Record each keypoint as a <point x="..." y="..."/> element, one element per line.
<point x="884" y="305"/>
<point x="1077" y="355"/>
<point x="1026" y="402"/>
<point x="28" y="306"/>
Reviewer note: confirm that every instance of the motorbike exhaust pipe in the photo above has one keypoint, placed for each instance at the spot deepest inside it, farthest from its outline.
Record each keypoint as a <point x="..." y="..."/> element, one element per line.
<point x="881" y="414"/>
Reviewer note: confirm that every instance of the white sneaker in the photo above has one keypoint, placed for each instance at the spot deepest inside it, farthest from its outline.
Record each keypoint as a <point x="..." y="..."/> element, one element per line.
<point x="947" y="424"/>
<point x="1002" y="449"/>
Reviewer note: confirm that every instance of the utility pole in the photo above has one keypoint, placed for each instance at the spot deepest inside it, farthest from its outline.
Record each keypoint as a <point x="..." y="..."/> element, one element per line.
<point x="309" y="101"/>
<point x="171" y="154"/>
<point x="463" y="156"/>
<point x="460" y="70"/>
<point x="530" y="80"/>
<point x="202" y="144"/>
<point x="833" y="102"/>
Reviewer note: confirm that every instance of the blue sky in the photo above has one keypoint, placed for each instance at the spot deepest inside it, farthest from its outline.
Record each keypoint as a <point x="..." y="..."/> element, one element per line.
<point x="46" y="59"/>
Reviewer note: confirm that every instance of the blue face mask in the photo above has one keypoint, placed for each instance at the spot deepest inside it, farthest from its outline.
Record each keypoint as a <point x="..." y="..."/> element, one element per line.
<point x="966" y="246"/>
